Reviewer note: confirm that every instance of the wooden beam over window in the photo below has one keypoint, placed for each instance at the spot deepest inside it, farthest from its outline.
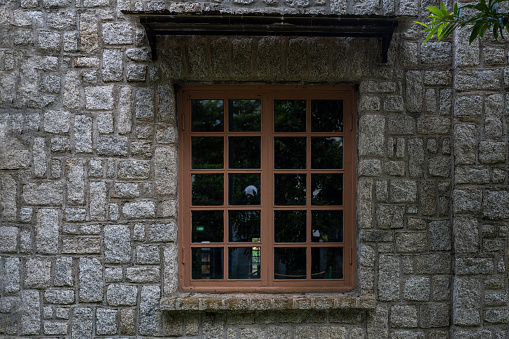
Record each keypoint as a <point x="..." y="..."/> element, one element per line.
<point x="165" y="23"/>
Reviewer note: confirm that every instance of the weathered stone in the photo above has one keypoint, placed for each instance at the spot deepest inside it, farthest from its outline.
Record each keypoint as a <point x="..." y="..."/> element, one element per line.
<point x="149" y="310"/>
<point x="143" y="274"/>
<point x="134" y="169"/>
<point x="106" y="321"/>
<point x="91" y="280"/>
<point x="56" y="121"/>
<point x="11" y="275"/>
<point x="467" y="201"/>
<point x="417" y="289"/>
<point x="416" y="157"/>
<point x="30" y="321"/>
<point x="466" y="233"/>
<point x="139" y="209"/>
<point x="112" y="145"/>
<point x="439" y="166"/>
<point x="467" y="307"/>
<point x="99" y="97"/>
<point x="45" y="193"/>
<point x="162" y="232"/>
<point x="81" y="245"/>
<point x="433" y="125"/>
<point x="117" y="244"/>
<point x="112" y="66"/>
<point x="83" y="134"/>
<point x="389" y="278"/>
<point x="481" y="80"/>
<point x="82" y="323"/>
<point x="97" y="200"/>
<point x="371" y="135"/>
<point x="58" y="296"/>
<point x="117" y="33"/>
<point x="468" y="107"/>
<point x="496" y="205"/>
<point x="434" y="315"/>
<point x="63" y="272"/>
<point x="105" y="122"/>
<point x="37" y="273"/>
<point x="466" y="266"/>
<point x="491" y="152"/>
<point x="403" y="191"/>
<point x="121" y="295"/>
<point x="370" y="168"/>
<point x="407" y="242"/>
<point x="378" y="324"/>
<point x="404" y="316"/>
<point x="8" y="239"/>
<point x="440" y="235"/>
<point x="435" y="263"/>
<point x="390" y="216"/>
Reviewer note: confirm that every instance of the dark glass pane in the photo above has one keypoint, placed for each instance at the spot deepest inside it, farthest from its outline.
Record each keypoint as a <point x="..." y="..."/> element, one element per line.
<point x="290" y="153"/>
<point x="290" y="226"/>
<point x="327" y="189"/>
<point x="290" y="189"/>
<point x="289" y="115"/>
<point x="327" y="153"/>
<point x="289" y="263"/>
<point x="207" y="152"/>
<point x="244" y="226"/>
<point x="327" y="226"/>
<point x="207" y="189"/>
<point x="244" y="189"/>
<point x="208" y="226"/>
<point x="245" y="115"/>
<point x="327" y="263"/>
<point x="207" y="263"/>
<point x="326" y="115"/>
<point x="244" y="263"/>
<point x="244" y="152"/>
<point x="207" y="116"/>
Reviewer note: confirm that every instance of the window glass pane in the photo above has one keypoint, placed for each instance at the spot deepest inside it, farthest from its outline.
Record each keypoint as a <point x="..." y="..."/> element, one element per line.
<point x="289" y="115"/>
<point x="327" y="153"/>
<point x="289" y="189"/>
<point x="207" y="226"/>
<point x="207" y="263"/>
<point x="327" y="263"/>
<point x="326" y="115"/>
<point x="245" y="115"/>
<point x="207" y="152"/>
<point x="327" y="226"/>
<point x="244" y="263"/>
<point x="289" y="153"/>
<point x="207" y="189"/>
<point x="289" y="263"/>
<point x="244" y="189"/>
<point x="207" y="116"/>
<point x="244" y="226"/>
<point x="290" y="226"/>
<point x="244" y="152"/>
<point x="327" y="189"/>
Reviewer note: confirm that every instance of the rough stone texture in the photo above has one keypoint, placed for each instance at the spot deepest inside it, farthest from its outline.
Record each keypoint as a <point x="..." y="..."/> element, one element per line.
<point x="89" y="172"/>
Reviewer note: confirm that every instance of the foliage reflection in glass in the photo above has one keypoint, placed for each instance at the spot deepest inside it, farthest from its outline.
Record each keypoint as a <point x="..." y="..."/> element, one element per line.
<point x="244" y="226"/>
<point x="207" y="116"/>
<point x="327" y="226"/>
<point x="327" y="189"/>
<point x="245" y="115"/>
<point x="327" y="263"/>
<point x="207" y="189"/>
<point x="207" y="226"/>
<point x="326" y="115"/>
<point x="289" y="115"/>
<point x="289" y="189"/>
<point x="289" y="153"/>
<point x="244" y="152"/>
<point x="289" y="263"/>
<point x="244" y="263"/>
<point x="244" y="189"/>
<point x="290" y="226"/>
<point x="327" y="153"/>
<point x="207" y="152"/>
<point x="207" y="263"/>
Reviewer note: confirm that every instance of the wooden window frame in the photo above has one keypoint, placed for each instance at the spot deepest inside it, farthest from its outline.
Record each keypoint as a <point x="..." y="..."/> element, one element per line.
<point x="267" y="93"/>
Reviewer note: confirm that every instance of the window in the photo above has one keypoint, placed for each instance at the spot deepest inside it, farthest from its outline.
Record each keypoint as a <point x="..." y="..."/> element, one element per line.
<point x="267" y="188"/>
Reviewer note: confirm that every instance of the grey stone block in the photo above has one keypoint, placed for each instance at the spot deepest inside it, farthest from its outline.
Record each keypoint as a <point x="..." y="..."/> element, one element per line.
<point x="59" y="296"/>
<point x="371" y="135"/>
<point x="417" y="289"/>
<point x="136" y="73"/>
<point x="143" y="274"/>
<point x="440" y="235"/>
<point x="388" y="278"/>
<point x="83" y="134"/>
<point x="434" y="315"/>
<point x="45" y="193"/>
<point x="478" y="80"/>
<point x="390" y="216"/>
<point x="11" y="275"/>
<point x="121" y="295"/>
<point x="105" y="122"/>
<point x="117" y="244"/>
<point x="134" y="169"/>
<point x="61" y="20"/>
<point x="112" y="145"/>
<point x="147" y="255"/>
<point x="411" y="242"/>
<point x="139" y="209"/>
<point x="106" y="321"/>
<point x="467" y="234"/>
<point x="466" y="266"/>
<point x="82" y="323"/>
<point x="55" y="328"/>
<point x="97" y="200"/>
<point x="99" y="97"/>
<point x="63" y="272"/>
<point x="467" y="296"/>
<point x="112" y="65"/>
<point x="403" y="191"/>
<point x="37" y="273"/>
<point x="8" y="239"/>
<point x="371" y="167"/>
<point x="435" y="263"/>
<point x="467" y="200"/>
<point x="439" y="53"/>
<point x="117" y="33"/>
<point x="496" y="205"/>
<point x="30" y="321"/>
<point x="150" y="315"/>
<point x="404" y="316"/>
<point x="49" y="41"/>
<point x="162" y="232"/>
<point x="492" y="152"/>
<point x="91" y="280"/>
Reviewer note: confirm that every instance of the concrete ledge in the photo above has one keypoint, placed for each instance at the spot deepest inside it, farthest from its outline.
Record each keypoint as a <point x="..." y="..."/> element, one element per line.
<point x="229" y="302"/>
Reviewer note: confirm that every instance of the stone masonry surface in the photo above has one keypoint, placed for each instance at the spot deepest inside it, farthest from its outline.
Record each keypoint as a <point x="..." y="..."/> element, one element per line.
<point x="89" y="174"/>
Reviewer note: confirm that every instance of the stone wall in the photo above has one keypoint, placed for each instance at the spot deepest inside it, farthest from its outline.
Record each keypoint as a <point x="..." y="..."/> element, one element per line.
<point x="88" y="176"/>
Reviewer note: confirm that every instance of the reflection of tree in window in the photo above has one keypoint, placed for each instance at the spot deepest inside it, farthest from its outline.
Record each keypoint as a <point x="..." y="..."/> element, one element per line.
<point x="207" y="116"/>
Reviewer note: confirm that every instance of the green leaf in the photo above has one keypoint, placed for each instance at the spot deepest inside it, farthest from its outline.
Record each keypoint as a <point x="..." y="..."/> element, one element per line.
<point x="435" y="10"/>
<point x="420" y="23"/>
<point x="475" y="33"/>
<point x="443" y="8"/>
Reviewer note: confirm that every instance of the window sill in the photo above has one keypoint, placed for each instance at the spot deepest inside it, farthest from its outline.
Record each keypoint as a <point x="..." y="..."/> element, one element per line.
<point x="260" y="302"/>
